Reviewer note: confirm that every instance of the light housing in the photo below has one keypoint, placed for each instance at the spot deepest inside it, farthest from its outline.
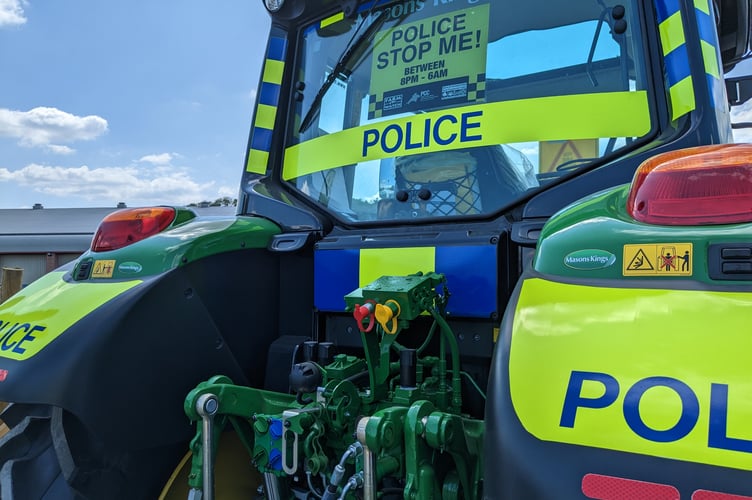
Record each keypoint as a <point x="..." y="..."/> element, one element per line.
<point x="704" y="185"/>
<point x="273" y="5"/>
<point x="125" y="227"/>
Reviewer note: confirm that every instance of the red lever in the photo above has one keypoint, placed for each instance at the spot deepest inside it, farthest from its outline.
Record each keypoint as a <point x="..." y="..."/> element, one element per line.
<point x="365" y="311"/>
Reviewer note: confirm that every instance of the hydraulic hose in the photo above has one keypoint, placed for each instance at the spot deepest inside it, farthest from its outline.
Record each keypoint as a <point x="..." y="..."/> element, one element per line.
<point x="455" y="353"/>
<point x="339" y="471"/>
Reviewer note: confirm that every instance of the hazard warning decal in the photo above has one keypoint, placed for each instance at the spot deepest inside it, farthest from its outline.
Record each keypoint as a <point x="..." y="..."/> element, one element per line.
<point x="659" y="259"/>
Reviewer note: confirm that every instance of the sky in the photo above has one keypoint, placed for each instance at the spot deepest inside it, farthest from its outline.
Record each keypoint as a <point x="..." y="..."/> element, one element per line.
<point x="143" y="102"/>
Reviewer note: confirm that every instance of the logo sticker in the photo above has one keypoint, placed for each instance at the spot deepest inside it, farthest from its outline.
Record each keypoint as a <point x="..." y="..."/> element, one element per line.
<point x="103" y="269"/>
<point x="659" y="259"/>
<point x="589" y="259"/>
<point x="130" y="268"/>
<point x="3" y="375"/>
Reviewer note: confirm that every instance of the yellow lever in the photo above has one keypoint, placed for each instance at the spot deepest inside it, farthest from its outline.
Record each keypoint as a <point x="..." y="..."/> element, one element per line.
<point x="387" y="314"/>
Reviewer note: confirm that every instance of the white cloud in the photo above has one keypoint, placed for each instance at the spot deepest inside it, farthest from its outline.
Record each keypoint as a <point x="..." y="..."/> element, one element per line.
<point x="739" y="114"/>
<point x="226" y="191"/>
<point x="44" y="126"/>
<point x="12" y="13"/>
<point x="157" y="159"/>
<point x="60" y="150"/>
<point x="106" y="185"/>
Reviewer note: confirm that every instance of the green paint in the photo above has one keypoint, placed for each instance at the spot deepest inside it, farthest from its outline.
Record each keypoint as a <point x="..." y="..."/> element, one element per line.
<point x="186" y="242"/>
<point x="598" y="227"/>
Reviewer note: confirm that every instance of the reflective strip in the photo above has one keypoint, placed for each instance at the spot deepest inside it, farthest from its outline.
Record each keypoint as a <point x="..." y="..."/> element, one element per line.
<point x="332" y="19"/>
<point x="470" y="271"/>
<point x="265" y="116"/>
<point x="620" y="488"/>
<point x="673" y="43"/>
<point x="711" y="56"/>
<point x="569" y="117"/>
<point x="45" y="309"/>
<point x="377" y="262"/>
<point x="644" y="371"/>
<point x="715" y="495"/>
<point x="708" y="38"/>
<point x="266" y="106"/>
<point x="677" y="65"/>
<point x="672" y="33"/>
<point x="273" y="71"/>
<point x="682" y="97"/>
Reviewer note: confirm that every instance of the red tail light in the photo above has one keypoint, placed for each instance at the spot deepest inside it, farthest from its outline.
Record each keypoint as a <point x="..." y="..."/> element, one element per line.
<point x="695" y="186"/>
<point x="124" y="227"/>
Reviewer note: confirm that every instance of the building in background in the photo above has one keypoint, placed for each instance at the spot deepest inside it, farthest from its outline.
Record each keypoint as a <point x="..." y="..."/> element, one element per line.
<point x="39" y="240"/>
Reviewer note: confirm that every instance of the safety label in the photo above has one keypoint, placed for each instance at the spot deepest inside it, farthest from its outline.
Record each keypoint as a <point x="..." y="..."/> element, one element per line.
<point x="103" y="269"/>
<point x="430" y="63"/>
<point x="659" y="259"/>
<point x="555" y="153"/>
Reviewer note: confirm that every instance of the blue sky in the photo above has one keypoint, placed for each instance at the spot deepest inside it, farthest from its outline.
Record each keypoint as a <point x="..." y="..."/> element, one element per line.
<point x="144" y="102"/>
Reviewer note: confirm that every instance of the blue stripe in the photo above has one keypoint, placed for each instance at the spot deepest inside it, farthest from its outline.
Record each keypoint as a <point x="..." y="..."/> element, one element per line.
<point x="335" y="274"/>
<point x="665" y="9"/>
<point x="677" y="65"/>
<point x="706" y="26"/>
<point x="277" y="49"/>
<point x="269" y="93"/>
<point x="262" y="139"/>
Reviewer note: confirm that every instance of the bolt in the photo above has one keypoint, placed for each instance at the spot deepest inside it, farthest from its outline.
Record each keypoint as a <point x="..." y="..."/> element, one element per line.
<point x="476" y="337"/>
<point x="211" y="405"/>
<point x="494" y="240"/>
<point x="461" y="336"/>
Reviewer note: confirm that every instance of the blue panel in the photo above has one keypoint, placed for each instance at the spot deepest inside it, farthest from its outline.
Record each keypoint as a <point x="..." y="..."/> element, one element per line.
<point x="472" y="279"/>
<point x="269" y="94"/>
<point x="677" y="65"/>
<point x="277" y="49"/>
<point x="471" y="272"/>
<point x="335" y="274"/>
<point x="665" y="9"/>
<point x="262" y="139"/>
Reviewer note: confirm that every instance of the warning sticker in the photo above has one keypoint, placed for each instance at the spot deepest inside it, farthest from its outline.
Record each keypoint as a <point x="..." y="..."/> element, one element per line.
<point x="555" y="153"/>
<point x="660" y="259"/>
<point x="424" y="64"/>
<point x="103" y="269"/>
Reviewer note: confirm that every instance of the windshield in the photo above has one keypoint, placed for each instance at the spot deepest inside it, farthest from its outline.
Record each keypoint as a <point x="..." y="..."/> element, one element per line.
<point x="419" y="109"/>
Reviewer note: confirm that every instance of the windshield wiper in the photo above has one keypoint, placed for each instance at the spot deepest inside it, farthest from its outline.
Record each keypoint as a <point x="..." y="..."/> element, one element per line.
<point x="341" y="67"/>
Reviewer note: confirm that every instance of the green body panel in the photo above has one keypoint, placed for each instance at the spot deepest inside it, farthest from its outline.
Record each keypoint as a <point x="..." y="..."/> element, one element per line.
<point x="597" y="239"/>
<point x="184" y="243"/>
